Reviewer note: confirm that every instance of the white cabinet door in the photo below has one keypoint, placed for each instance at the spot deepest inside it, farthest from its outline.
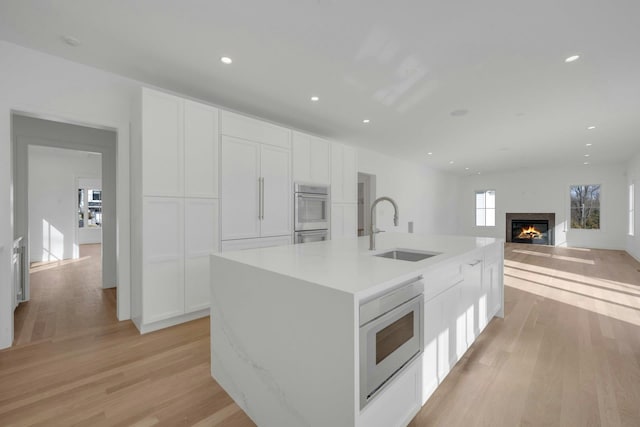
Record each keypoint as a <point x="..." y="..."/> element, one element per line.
<point x="200" y="150"/>
<point x="337" y="173"/>
<point x="320" y="161"/>
<point x="255" y="130"/>
<point x="163" y="258"/>
<point x="344" y="174"/>
<point x="448" y="336"/>
<point x="344" y="220"/>
<point x="311" y="159"/>
<point x="277" y="191"/>
<point x="350" y="175"/>
<point x="301" y="149"/>
<point x="240" y="168"/>
<point x="201" y="239"/>
<point x="162" y="144"/>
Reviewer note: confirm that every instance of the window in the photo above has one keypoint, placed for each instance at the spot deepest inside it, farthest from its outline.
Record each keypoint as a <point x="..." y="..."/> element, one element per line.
<point x="486" y="208"/>
<point x="631" y="210"/>
<point x="585" y="206"/>
<point x="89" y="212"/>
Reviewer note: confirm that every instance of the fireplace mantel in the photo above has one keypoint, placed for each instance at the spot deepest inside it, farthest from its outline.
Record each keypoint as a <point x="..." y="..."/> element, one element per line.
<point x="551" y="217"/>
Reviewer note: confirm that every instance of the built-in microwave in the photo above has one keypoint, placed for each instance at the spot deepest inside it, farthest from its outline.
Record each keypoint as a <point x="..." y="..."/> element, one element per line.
<point x="311" y="207"/>
<point x="391" y="336"/>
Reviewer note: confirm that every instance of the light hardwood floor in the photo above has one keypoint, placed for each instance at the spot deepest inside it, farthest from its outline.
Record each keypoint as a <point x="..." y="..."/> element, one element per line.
<point x="566" y="354"/>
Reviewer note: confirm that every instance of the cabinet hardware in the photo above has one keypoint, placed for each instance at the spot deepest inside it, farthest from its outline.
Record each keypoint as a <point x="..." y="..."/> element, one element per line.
<point x="476" y="262"/>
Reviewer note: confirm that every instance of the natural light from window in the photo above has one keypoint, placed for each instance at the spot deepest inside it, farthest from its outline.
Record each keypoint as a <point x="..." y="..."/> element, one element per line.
<point x="485" y="208"/>
<point x="631" y="210"/>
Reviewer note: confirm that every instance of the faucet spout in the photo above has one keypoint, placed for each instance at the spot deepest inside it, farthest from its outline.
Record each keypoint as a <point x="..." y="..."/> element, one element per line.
<point x="372" y="229"/>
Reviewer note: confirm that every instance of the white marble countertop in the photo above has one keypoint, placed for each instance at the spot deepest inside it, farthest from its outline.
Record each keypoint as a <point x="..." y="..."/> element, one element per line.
<point x="348" y="265"/>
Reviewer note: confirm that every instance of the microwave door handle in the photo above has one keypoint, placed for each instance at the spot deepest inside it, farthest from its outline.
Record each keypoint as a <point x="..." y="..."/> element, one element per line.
<point x="312" y="233"/>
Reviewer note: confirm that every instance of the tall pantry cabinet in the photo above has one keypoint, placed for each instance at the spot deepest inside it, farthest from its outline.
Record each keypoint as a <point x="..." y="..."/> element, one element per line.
<point x="344" y="191"/>
<point x="174" y="199"/>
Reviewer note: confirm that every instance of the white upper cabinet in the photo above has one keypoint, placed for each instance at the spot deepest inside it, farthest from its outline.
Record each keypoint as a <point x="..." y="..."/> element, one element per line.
<point x="255" y="130"/>
<point x="241" y="183"/>
<point x="200" y="150"/>
<point x="344" y="174"/>
<point x="276" y="191"/>
<point x="179" y="147"/>
<point x="311" y="159"/>
<point x="162" y="144"/>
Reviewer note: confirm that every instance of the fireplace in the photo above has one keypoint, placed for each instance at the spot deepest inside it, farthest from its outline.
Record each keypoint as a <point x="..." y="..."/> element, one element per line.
<point x="531" y="228"/>
<point x="528" y="231"/>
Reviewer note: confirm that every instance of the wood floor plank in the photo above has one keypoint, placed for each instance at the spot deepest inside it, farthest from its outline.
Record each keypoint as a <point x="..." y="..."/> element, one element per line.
<point x="566" y="354"/>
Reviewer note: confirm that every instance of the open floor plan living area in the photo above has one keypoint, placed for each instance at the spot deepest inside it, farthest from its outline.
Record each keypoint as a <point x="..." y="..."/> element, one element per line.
<point x="319" y="213"/>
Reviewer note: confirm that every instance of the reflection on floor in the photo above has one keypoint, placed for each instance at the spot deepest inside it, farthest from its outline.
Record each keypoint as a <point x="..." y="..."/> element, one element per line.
<point x="66" y="298"/>
<point x="566" y="354"/>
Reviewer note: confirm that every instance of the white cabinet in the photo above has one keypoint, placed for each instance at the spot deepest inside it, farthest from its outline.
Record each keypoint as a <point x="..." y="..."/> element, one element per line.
<point x="255" y="179"/>
<point x="201" y="239"/>
<point x="174" y="190"/>
<point x="344" y="220"/>
<point x="311" y="159"/>
<point x="200" y="150"/>
<point x="240" y="175"/>
<point x="276" y="191"/>
<point x="162" y="144"/>
<point x="344" y="174"/>
<point x="163" y="255"/>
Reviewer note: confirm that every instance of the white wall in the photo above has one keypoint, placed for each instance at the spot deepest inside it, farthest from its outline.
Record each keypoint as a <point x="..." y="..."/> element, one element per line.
<point x="53" y="192"/>
<point x="55" y="88"/>
<point x="547" y="190"/>
<point x="633" y="177"/>
<point x="425" y="196"/>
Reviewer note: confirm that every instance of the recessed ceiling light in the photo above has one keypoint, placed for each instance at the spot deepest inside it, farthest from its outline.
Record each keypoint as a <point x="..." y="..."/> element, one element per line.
<point x="466" y="169"/>
<point x="315" y="98"/>
<point x="430" y="153"/>
<point x="71" y="41"/>
<point x="479" y="173"/>
<point x="226" y="60"/>
<point x="586" y="163"/>
<point x="588" y="144"/>
<point x="366" y="121"/>
<point x="591" y="128"/>
<point x="572" y="58"/>
<point x="587" y="155"/>
<point x="451" y="162"/>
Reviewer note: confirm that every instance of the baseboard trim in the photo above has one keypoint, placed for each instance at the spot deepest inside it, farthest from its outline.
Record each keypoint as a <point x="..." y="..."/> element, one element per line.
<point x="145" y="328"/>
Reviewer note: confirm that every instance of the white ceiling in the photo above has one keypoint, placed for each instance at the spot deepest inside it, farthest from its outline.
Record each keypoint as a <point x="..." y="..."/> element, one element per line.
<point x="406" y="65"/>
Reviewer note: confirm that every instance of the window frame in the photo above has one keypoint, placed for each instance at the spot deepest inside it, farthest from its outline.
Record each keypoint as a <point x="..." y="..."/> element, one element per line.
<point x="485" y="209"/>
<point x="569" y="216"/>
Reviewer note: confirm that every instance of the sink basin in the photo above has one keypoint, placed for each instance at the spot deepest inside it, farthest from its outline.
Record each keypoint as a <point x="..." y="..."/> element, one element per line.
<point x="406" y="255"/>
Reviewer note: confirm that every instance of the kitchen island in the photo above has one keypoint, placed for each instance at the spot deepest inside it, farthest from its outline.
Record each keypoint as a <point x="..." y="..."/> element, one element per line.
<point x="286" y="327"/>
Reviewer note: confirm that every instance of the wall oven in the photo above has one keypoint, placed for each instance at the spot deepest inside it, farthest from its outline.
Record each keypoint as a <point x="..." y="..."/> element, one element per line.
<point x="391" y="336"/>
<point x="311" y="207"/>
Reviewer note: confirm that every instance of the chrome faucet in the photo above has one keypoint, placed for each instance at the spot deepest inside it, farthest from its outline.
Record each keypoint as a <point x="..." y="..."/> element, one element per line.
<point x="373" y="229"/>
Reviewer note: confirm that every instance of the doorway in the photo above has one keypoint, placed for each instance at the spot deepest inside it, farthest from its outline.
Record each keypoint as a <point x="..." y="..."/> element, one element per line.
<point x="64" y="208"/>
<point x="366" y="196"/>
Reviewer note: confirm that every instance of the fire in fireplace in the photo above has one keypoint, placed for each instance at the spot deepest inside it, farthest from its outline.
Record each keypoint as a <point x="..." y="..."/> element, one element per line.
<point x="530" y="231"/>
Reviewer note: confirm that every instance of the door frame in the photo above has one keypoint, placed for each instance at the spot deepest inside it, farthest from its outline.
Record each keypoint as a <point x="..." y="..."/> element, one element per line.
<point x="121" y="217"/>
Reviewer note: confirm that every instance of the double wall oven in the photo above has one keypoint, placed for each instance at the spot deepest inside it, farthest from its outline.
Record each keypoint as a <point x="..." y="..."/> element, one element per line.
<point x="391" y="336"/>
<point x="311" y="212"/>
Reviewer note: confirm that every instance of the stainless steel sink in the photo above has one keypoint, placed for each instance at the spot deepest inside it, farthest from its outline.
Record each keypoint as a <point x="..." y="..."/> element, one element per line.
<point x="406" y="255"/>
